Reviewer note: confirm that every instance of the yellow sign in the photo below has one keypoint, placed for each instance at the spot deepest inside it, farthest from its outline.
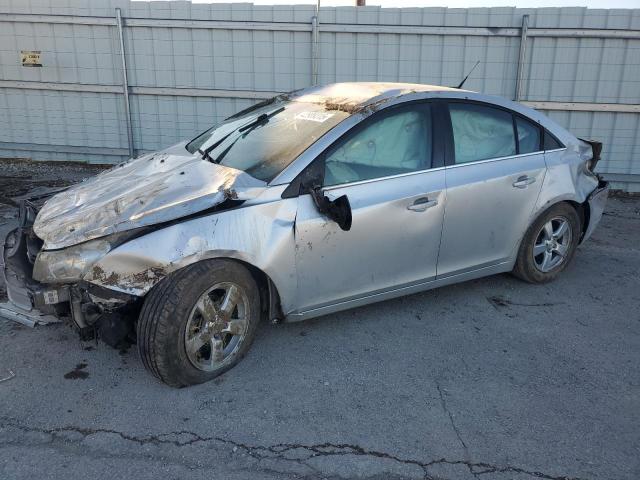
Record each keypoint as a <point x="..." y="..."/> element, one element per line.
<point x="30" y="58"/>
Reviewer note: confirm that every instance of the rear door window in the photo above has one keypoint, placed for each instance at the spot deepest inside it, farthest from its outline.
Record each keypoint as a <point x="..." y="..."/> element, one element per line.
<point x="481" y="132"/>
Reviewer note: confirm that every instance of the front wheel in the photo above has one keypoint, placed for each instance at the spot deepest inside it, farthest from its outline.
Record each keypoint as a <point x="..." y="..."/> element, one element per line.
<point x="548" y="245"/>
<point x="198" y="322"/>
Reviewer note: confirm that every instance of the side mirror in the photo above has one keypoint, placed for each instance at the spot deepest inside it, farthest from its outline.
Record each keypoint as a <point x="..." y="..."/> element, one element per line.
<point x="338" y="210"/>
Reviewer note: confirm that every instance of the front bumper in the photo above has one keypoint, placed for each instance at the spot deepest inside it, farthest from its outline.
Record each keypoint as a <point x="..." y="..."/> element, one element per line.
<point x="22" y="290"/>
<point x="18" y="251"/>
<point x="32" y="302"/>
<point x="597" y="200"/>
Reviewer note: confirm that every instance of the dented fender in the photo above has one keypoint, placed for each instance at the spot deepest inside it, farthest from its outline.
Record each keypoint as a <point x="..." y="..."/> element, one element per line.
<point x="566" y="178"/>
<point x="569" y="179"/>
<point x="261" y="235"/>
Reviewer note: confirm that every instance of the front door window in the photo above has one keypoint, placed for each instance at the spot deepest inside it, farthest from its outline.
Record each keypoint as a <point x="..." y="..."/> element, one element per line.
<point x="395" y="143"/>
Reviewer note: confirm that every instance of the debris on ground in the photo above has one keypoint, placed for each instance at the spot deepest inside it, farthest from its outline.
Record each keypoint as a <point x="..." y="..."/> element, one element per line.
<point x="8" y="377"/>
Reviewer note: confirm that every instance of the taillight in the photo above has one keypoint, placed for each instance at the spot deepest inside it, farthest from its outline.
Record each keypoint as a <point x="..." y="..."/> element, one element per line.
<point x="596" y="149"/>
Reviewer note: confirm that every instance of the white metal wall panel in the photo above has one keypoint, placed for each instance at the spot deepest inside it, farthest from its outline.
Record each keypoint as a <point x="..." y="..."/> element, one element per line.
<point x="62" y="118"/>
<point x="431" y="59"/>
<point x="264" y="49"/>
<point x="154" y="117"/>
<point x="617" y="131"/>
<point x="583" y="70"/>
<point x="73" y="53"/>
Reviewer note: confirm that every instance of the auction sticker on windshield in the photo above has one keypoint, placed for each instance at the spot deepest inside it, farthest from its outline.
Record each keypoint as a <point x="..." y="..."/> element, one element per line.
<point x="314" y="116"/>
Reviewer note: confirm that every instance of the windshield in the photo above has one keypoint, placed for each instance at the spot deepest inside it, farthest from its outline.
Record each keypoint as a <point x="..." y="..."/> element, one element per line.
<point x="264" y="141"/>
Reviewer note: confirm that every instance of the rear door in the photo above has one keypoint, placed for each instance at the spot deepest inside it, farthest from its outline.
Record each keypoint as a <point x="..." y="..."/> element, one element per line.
<point x="384" y="167"/>
<point x="493" y="177"/>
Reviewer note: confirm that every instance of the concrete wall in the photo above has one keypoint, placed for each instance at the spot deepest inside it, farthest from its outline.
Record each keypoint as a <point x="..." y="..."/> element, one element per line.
<point x="190" y="66"/>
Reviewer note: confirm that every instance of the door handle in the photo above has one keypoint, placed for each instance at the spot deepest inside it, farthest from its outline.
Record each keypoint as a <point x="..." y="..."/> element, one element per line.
<point x="523" y="181"/>
<point x="421" y="204"/>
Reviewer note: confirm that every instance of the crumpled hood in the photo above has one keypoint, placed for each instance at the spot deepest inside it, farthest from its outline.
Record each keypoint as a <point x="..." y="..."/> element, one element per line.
<point x="154" y="188"/>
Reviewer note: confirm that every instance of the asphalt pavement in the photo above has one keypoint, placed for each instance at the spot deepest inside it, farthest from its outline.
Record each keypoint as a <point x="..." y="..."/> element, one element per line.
<point x="492" y="379"/>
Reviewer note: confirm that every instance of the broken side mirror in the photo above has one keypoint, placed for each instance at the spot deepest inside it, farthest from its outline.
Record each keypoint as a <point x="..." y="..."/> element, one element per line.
<point x="338" y="210"/>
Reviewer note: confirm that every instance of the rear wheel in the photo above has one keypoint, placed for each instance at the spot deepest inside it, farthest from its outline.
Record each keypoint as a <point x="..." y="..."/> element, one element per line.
<point x="548" y="245"/>
<point x="198" y="322"/>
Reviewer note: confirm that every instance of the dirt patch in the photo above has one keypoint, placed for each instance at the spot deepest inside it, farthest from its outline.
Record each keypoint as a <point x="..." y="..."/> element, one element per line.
<point x="501" y="302"/>
<point x="342" y="105"/>
<point x="21" y="176"/>
<point x="77" y="373"/>
<point x="622" y="195"/>
<point x="230" y="194"/>
<point x="100" y="275"/>
<point x="351" y="107"/>
<point x="152" y="274"/>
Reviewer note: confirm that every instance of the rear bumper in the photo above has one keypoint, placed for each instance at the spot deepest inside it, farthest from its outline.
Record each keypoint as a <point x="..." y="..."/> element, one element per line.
<point x="597" y="201"/>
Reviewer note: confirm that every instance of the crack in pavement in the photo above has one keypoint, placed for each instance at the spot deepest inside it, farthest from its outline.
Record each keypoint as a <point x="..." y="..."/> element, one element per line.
<point x="443" y="402"/>
<point x="453" y="425"/>
<point x="446" y="410"/>
<point x="279" y="451"/>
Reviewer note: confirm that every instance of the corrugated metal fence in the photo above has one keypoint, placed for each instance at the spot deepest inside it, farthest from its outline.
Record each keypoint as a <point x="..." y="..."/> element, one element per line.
<point x="189" y="66"/>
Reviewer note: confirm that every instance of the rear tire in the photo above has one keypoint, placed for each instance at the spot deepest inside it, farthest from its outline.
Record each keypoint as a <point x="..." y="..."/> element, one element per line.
<point x="190" y="330"/>
<point x="549" y="245"/>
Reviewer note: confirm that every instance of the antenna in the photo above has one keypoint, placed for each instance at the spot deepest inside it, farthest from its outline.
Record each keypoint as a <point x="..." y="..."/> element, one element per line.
<point x="470" y="71"/>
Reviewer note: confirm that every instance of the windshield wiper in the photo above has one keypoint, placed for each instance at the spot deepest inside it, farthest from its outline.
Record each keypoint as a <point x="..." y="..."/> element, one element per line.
<point x="206" y="151"/>
<point x="250" y="125"/>
<point x="260" y="119"/>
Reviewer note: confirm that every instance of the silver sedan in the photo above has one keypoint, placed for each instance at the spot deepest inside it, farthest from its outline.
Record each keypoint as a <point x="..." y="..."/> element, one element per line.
<point x="312" y="202"/>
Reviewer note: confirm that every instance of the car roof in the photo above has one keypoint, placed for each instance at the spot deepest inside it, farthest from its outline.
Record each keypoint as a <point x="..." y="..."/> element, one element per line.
<point x="352" y="96"/>
<point x="366" y="97"/>
<point x="361" y="99"/>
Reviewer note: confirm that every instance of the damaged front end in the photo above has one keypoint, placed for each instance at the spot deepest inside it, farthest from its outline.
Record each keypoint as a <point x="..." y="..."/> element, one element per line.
<point x="48" y="262"/>
<point x="51" y="262"/>
<point x="34" y="298"/>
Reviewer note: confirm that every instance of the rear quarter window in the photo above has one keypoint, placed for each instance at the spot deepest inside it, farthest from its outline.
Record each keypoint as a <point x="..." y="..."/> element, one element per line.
<point x="551" y="142"/>
<point x="528" y="136"/>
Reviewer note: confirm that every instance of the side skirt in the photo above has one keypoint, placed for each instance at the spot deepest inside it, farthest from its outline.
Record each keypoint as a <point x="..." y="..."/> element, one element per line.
<point x="399" y="292"/>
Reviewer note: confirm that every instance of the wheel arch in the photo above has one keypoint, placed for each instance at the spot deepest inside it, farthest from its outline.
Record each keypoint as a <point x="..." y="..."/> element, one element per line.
<point x="579" y="207"/>
<point x="270" y="305"/>
<point x="137" y="277"/>
<point x="259" y="237"/>
<point x="521" y="266"/>
<point x="582" y="209"/>
<point x="269" y="295"/>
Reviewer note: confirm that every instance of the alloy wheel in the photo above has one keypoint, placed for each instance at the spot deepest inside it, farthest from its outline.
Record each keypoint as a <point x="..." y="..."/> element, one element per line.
<point x="217" y="326"/>
<point x="552" y="244"/>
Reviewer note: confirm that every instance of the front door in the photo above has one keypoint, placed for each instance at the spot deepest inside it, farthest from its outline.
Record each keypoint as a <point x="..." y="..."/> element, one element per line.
<point x="493" y="183"/>
<point x="397" y="200"/>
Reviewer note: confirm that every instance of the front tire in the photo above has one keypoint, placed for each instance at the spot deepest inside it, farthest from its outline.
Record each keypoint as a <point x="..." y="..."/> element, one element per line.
<point x="198" y="322"/>
<point x="549" y="245"/>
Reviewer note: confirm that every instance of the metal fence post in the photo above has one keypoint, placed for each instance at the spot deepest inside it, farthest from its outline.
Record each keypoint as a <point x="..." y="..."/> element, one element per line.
<point x="521" y="57"/>
<point x="314" y="50"/>
<point x="125" y="84"/>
